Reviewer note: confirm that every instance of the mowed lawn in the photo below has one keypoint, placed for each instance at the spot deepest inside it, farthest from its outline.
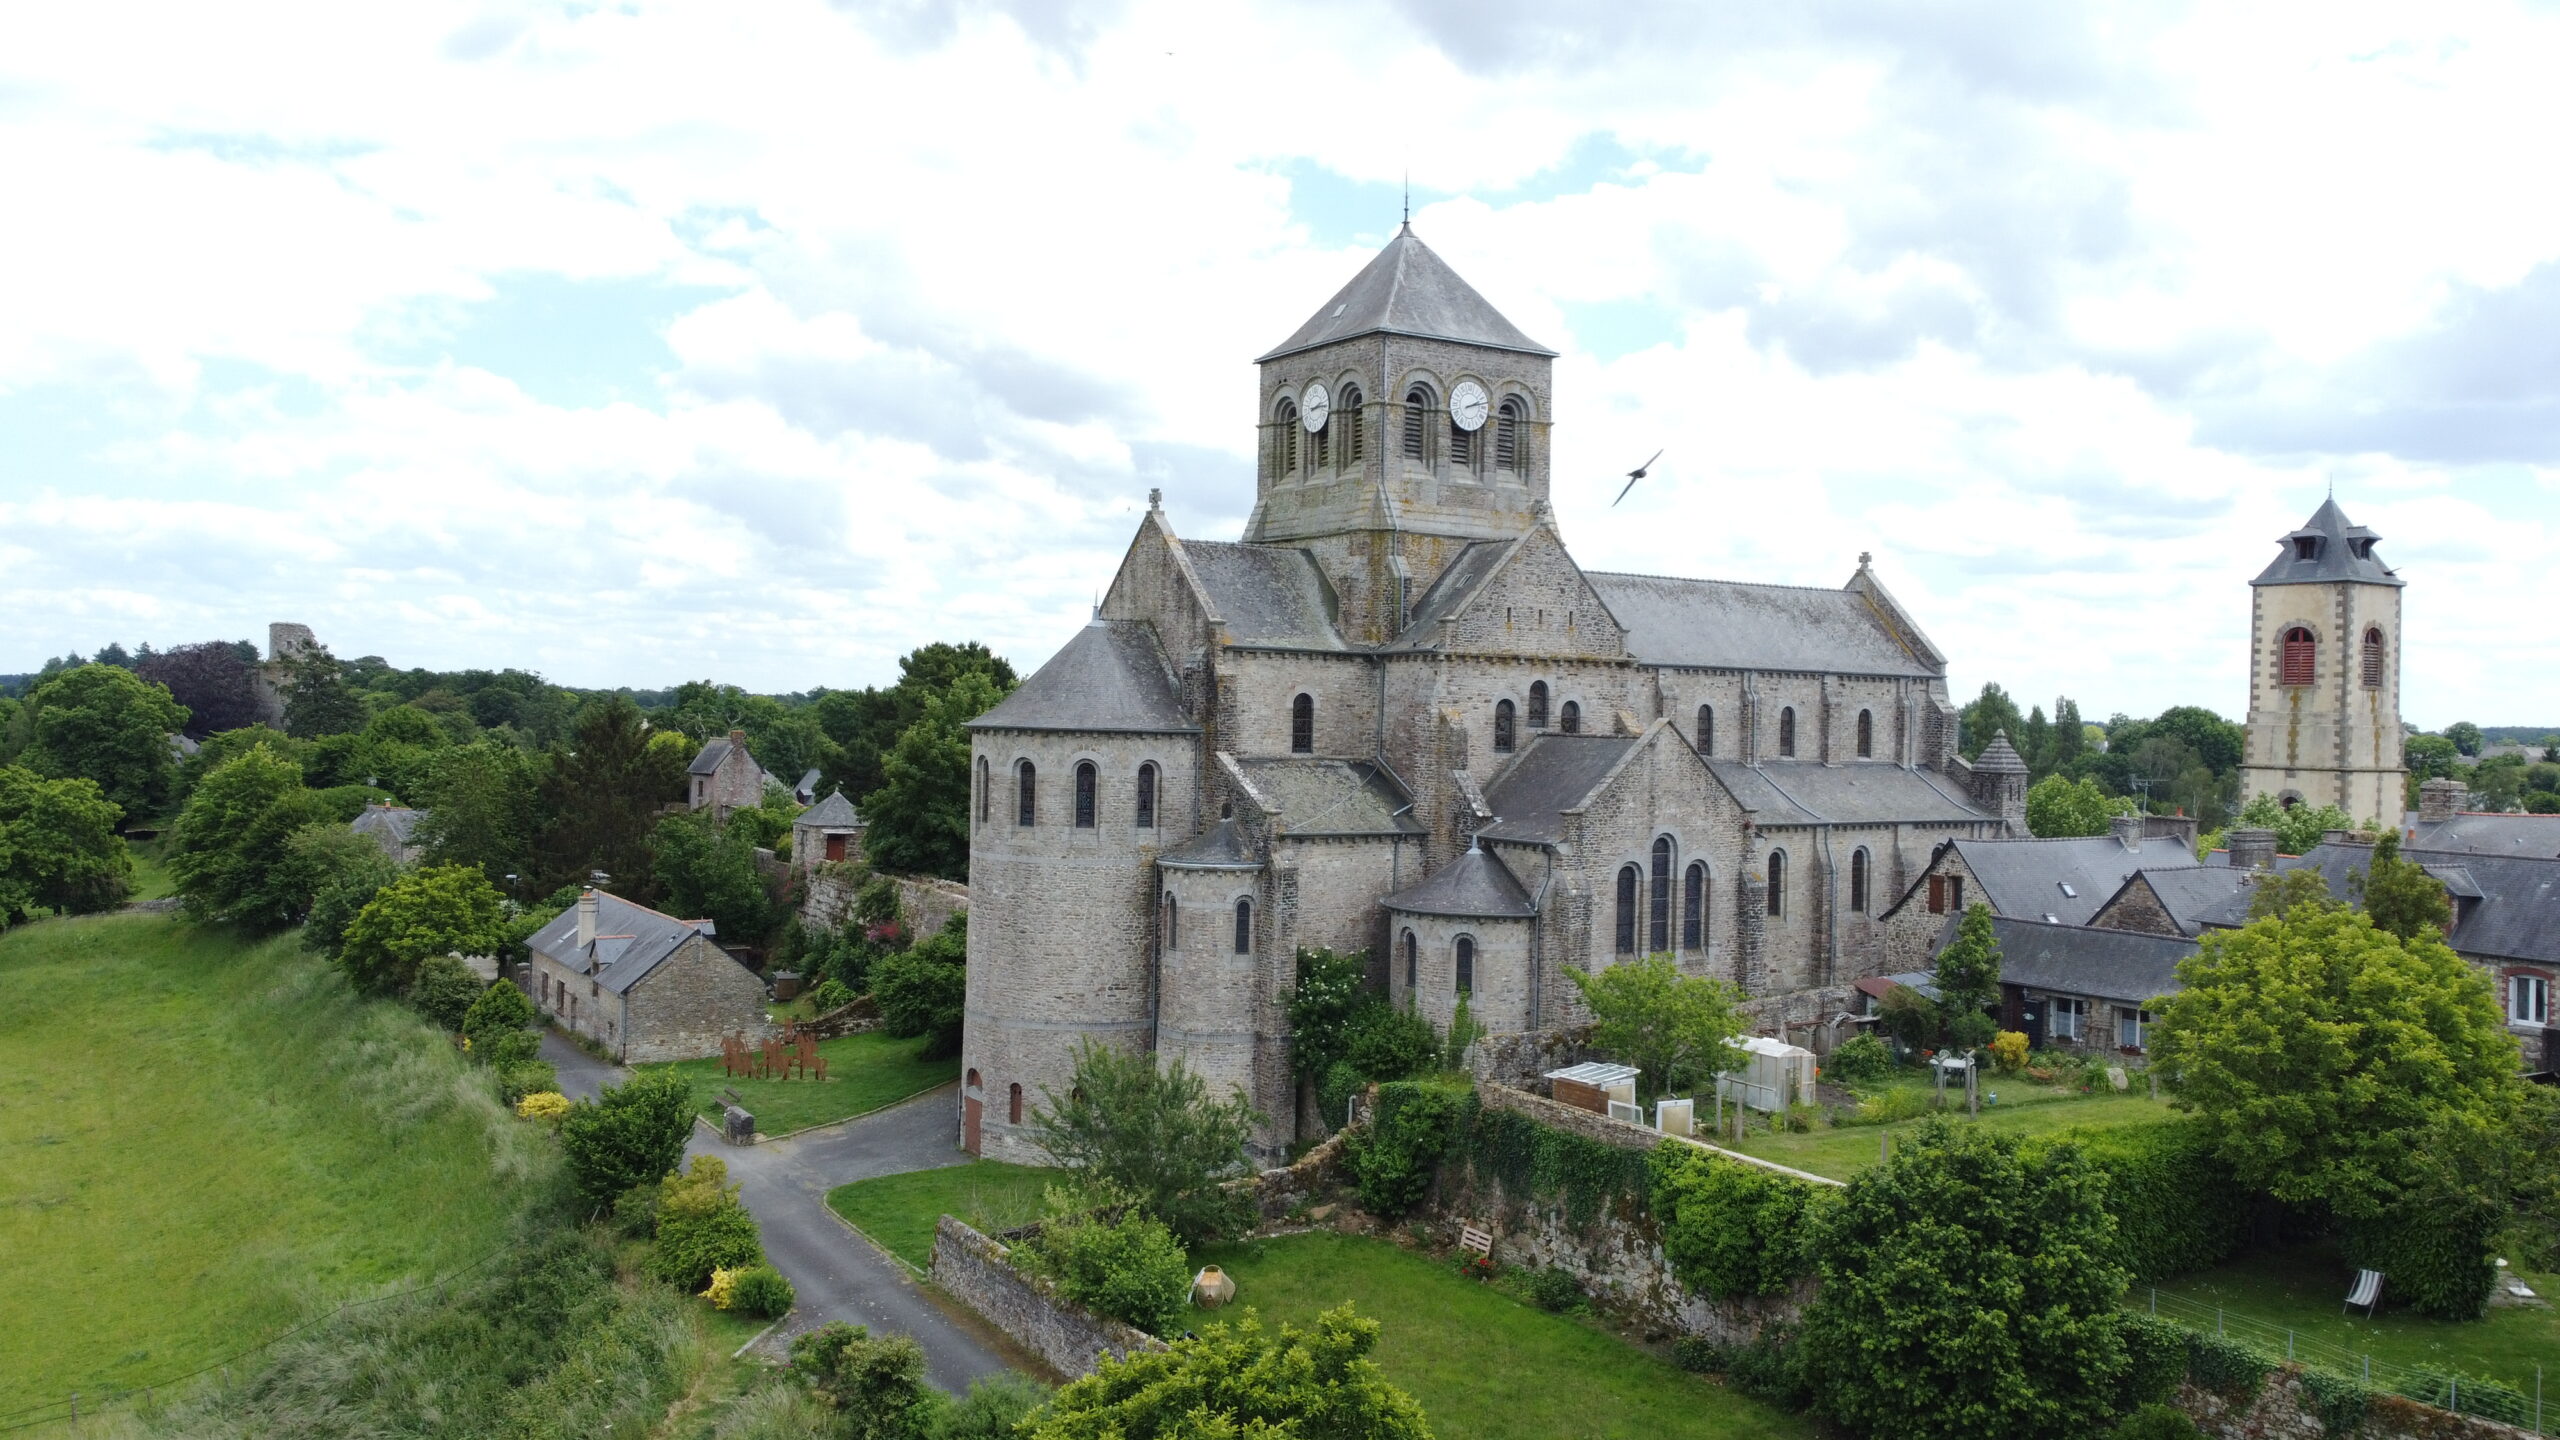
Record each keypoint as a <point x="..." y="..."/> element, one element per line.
<point x="204" y="1142"/>
<point x="1484" y="1365"/>
<point x="899" y="1212"/>
<point x="864" y="1072"/>
<point x="2023" y="1109"/>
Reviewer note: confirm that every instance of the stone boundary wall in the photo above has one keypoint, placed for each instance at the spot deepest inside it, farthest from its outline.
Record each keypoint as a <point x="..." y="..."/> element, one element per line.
<point x="1067" y="1337"/>
<point x="854" y="1017"/>
<point x="1577" y="1121"/>
<point x="2281" y="1410"/>
<point x="927" y="903"/>
<point x="1315" y="1175"/>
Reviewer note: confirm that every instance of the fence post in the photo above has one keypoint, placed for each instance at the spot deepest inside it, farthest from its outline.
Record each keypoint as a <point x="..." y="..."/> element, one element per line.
<point x="2288" y="1344"/>
<point x="2155" y="1300"/>
<point x="75" y="1405"/>
<point x="2453" y="1387"/>
<point x="2217" y="1319"/>
<point x="2368" y="1370"/>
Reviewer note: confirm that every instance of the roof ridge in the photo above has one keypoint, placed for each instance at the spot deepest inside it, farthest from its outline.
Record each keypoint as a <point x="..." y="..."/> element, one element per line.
<point x="1717" y="580"/>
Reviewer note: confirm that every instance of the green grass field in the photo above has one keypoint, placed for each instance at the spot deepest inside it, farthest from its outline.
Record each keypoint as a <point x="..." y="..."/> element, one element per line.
<point x="1484" y="1365"/>
<point x="898" y="1211"/>
<point x="204" y="1142"/>
<point x="151" y="877"/>
<point x="864" y="1072"/>
<point x="2301" y="1290"/>
<point x="2023" y="1109"/>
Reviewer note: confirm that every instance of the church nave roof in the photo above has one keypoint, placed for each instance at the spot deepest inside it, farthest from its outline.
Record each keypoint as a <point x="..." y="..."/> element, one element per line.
<point x="1808" y="792"/>
<point x="1266" y="594"/>
<point x="1331" y="797"/>
<point x="1734" y="625"/>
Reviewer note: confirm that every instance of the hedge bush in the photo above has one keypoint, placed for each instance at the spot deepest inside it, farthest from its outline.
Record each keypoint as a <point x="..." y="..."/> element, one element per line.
<point x="2218" y="1362"/>
<point x="1386" y="1042"/>
<point x="1393" y="1157"/>
<point x="760" y="1290"/>
<point x="2342" y="1403"/>
<point x="1554" y="1289"/>
<point x="702" y="1226"/>
<point x="1128" y="1266"/>
<point x="2177" y="1207"/>
<point x="443" y="991"/>
<point x="2155" y="1358"/>
<point x="2438" y="1252"/>
<point x="1534" y="1161"/>
<point x="2156" y="1422"/>
<point x="526" y="1077"/>
<point x="2468" y="1395"/>
<point x="1728" y="1228"/>
<point x="1860" y="1057"/>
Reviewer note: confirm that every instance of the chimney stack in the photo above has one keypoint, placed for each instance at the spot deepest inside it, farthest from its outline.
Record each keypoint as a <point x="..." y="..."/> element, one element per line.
<point x="2128" y="832"/>
<point x="738" y="738"/>
<point x="2439" y="799"/>
<point x="586" y="917"/>
<point x="2252" y="849"/>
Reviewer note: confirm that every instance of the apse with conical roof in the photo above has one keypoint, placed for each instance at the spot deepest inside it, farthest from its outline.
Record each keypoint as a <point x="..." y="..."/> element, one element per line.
<point x="2324" y="672"/>
<point x="1433" y="411"/>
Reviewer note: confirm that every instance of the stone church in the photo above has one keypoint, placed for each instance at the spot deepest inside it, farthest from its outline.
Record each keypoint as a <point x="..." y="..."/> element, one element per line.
<point x="1397" y="717"/>
<point x="2324" y="673"/>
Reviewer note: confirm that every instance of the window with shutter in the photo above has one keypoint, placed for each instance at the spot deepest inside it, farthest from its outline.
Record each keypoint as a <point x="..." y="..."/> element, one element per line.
<point x="2373" y="658"/>
<point x="1417" y="411"/>
<point x="1937" y="894"/>
<point x="1506" y="437"/>
<point x="2301" y="657"/>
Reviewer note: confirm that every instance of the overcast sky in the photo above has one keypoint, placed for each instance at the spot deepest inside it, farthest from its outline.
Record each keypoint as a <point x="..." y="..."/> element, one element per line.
<point x="650" y="341"/>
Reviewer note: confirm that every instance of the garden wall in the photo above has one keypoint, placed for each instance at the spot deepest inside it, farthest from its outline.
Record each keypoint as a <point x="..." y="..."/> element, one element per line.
<point x="2282" y="1409"/>
<point x="926" y="903"/>
<point x="1315" y="1175"/>
<point x="1067" y="1337"/>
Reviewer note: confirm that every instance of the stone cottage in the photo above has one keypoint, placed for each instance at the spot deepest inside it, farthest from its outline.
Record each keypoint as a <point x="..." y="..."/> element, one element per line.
<point x="646" y="986"/>
<point x="827" y="833"/>
<point x="724" y="778"/>
<point x="391" y="826"/>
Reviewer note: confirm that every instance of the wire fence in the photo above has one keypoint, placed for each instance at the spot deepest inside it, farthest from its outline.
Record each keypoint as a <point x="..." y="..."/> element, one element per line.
<point x="2514" y="1400"/>
<point x="79" y="1405"/>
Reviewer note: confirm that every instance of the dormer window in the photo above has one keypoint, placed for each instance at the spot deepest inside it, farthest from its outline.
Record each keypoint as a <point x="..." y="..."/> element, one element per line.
<point x="2306" y="547"/>
<point x="2362" y="549"/>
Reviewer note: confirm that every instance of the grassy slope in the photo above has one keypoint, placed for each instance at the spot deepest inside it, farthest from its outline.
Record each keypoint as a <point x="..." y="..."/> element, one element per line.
<point x="194" y="1150"/>
<point x="151" y="878"/>
<point x="1484" y="1365"/>
<point x="2023" y="1110"/>
<point x="864" y="1072"/>
<point x="898" y="1211"/>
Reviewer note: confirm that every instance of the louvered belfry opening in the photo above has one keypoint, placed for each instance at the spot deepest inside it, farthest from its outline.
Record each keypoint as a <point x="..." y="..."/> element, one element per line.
<point x="1417" y="411"/>
<point x="2301" y="664"/>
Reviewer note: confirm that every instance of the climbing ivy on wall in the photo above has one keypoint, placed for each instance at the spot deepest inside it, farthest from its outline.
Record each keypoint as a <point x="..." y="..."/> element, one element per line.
<point x="1534" y="1161"/>
<point x="1732" y="1229"/>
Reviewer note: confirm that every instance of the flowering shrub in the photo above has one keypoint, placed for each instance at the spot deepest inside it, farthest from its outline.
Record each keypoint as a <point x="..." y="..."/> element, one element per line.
<point x="543" y="1105"/>
<point x="1477" y="1267"/>
<point x="2009" y="1051"/>
<point x="723" y="1289"/>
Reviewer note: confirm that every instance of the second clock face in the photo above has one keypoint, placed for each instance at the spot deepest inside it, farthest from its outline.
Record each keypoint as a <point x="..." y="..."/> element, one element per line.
<point x="1467" y="405"/>
<point x="1314" y="406"/>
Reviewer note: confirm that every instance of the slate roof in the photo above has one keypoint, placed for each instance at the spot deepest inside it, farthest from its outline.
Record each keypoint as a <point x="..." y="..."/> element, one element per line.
<point x="2511" y="910"/>
<point x="1220" y="847"/>
<point x="1449" y="594"/>
<point x="631" y="940"/>
<point x="708" y="758"/>
<point x="390" y="826"/>
<point x="1407" y="290"/>
<point x="1331" y="797"/>
<point x="1999" y="757"/>
<point x="1727" y="624"/>
<point x="1111" y="677"/>
<point x="2536" y="835"/>
<point x="1475" y="885"/>
<point x="2194" y="896"/>
<point x="833" y="813"/>
<point x="1267" y="594"/>
<point x="2336" y="558"/>
<point x="1806" y="792"/>
<point x="1553" y="774"/>
<point x="2026" y="879"/>
<point x="2121" y="965"/>
<point x="807" y="790"/>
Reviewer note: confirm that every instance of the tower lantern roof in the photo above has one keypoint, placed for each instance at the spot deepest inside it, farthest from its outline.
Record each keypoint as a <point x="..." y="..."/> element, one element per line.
<point x="2327" y="549"/>
<point x="1408" y="290"/>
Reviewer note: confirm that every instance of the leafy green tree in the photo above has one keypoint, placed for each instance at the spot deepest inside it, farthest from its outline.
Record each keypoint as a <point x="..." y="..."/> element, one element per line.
<point x="2058" y="806"/>
<point x="103" y="723"/>
<point x="2035" y="741"/>
<point x="1153" y="1134"/>
<point x="217" y="688"/>
<point x="861" y="726"/>
<point x="396" y="748"/>
<point x="876" y="1387"/>
<point x="1990" y="713"/>
<point x="1127" y="1266"/>
<point x="2070" y="734"/>
<point x="920" y="814"/>
<point x="1237" y="1380"/>
<point x="2297" y="829"/>
<point x="500" y="1026"/>
<point x="2217" y="743"/>
<point x="1968" y="980"/>
<point x="602" y="795"/>
<point x="922" y="990"/>
<point x="341" y="871"/>
<point x="707" y="874"/>
<point x="2323" y="1055"/>
<point x="2400" y="895"/>
<point x="231" y="849"/>
<point x="482" y="808"/>
<point x="2466" y="737"/>
<point x="1969" y="1295"/>
<point x="441" y="910"/>
<point x="1676" y="1029"/>
<point x="444" y="991"/>
<point x="317" y="700"/>
<point x="58" y="847"/>
<point x="630" y="1134"/>
<point x="2429" y="757"/>
<point x="1331" y="985"/>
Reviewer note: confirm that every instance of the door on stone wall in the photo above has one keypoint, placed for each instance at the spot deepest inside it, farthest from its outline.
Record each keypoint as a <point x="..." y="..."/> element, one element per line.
<point x="973" y="1105"/>
<point x="2031" y="1020"/>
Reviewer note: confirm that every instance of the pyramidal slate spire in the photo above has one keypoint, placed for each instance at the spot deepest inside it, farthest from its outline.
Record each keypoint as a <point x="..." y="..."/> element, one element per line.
<point x="1408" y="290"/>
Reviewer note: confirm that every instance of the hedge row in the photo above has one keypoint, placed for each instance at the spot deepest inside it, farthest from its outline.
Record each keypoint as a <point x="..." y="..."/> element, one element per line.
<point x="2177" y="1207"/>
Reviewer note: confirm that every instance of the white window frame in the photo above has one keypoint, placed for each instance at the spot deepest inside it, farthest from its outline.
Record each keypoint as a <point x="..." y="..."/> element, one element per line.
<point x="2536" y="1011"/>
<point x="2138" y="1021"/>
<point x="2066" y="1017"/>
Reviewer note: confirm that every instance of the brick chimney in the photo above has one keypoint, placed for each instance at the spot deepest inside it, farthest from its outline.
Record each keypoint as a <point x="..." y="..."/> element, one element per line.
<point x="2252" y="849"/>
<point x="2439" y="799"/>
<point x="738" y="738"/>
<point x="586" y="917"/>
<point x="2128" y="832"/>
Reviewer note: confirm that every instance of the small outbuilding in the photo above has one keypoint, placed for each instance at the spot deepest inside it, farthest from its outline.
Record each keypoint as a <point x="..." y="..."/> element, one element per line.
<point x="391" y="827"/>
<point x="1592" y="1085"/>
<point x="827" y="833"/>
<point x="1774" y="1075"/>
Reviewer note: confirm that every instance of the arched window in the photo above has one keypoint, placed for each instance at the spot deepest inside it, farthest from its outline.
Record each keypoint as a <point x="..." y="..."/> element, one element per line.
<point x="1777" y="882"/>
<point x="1503" y="739"/>
<point x="1706" y="729"/>
<point x="1509" y="421"/>
<point x="1417" y="411"/>
<point x="1324" y="444"/>
<point x="1866" y="735"/>
<point x="1693" y="908"/>
<point x="2373" y="658"/>
<point x="1302" y="725"/>
<point x="1412" y="962"/>
<point x="1013" y="1104"/>
<point x="1284" y="449"/>
<point x="973" y="1081"/>
<point x="1628" y="879"/>
<point x="1466" y="965"/>
<point x="1244" y="927"/>
<point x="2301" y="657"/>
<point x="1026" y="794"/>
<point x="1569" y="719"/>
<point x="1787" y="731"/>
<point x="1462" y="446"/>
<point x="1658" y="934"/>
<point x="1147" y="796"/>
<point x="1346" y="413"/>
<point x="1085" y="777"/>
<point x="986" y="787"/>
<point x="1858" y="881"/>
<point x="1537" y="704"/>
<point x="1172" y="923"/>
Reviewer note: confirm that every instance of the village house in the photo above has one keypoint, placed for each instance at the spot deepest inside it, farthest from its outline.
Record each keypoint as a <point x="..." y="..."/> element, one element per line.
<point x="2440" y="823"/>
<point x="391" y="827"/>
<point x="2052" y="881"/>
<point x="2077" y="987"/>
<point x="827" y="833"/>
<point x="646" y="986"/>
<point x="724" y="778"/>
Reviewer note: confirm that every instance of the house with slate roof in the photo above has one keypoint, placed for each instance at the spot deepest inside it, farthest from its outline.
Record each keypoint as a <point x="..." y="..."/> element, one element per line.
<point x="646" y="986"/>
<point x="2440" y="823"/>
<point x="2076" y="987"/>
<point x="1396" y="716"/>
<point x="391" y="826"/>
<point x="724" y="778"/>
<point x="827" y="833"/>
<point x="2061" y="881"/>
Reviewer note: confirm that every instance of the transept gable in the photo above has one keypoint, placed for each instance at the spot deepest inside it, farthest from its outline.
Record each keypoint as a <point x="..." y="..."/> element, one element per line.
<point x="1518" y="597"/>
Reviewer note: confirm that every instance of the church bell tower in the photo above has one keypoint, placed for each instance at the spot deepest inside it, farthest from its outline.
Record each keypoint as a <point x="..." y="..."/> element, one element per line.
<point x="1404" y="420"/>
<point x="2324" y="673"/>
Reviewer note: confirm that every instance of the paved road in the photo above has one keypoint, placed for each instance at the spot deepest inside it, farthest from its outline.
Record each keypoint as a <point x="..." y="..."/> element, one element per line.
<point x="581" y="1074"/>
<point x="837" y="1275"/>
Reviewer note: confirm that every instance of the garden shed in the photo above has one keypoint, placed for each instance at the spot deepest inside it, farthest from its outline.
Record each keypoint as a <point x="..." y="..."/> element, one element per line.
<point x="1592" y="1085"/>
<point x="1774" y="1075"/>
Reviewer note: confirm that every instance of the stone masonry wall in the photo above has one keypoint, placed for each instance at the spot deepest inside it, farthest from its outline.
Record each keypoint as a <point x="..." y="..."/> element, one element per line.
<point x="682" y="1009"/>
<point x="927" y="902"/>
<point x="2281" y="1410"/>
<point x="1068" y="1338"/>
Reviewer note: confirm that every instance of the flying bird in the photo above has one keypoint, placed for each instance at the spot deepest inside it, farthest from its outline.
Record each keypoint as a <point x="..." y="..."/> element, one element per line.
<point x="1633" y="476"/>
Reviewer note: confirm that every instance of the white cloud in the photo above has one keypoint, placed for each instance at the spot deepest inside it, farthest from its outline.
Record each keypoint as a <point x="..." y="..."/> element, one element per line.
<point x="2064" y="314"/>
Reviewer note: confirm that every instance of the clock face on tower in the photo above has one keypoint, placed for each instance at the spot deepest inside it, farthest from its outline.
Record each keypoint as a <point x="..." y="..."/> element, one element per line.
<point x="1314" y="406"/>
<point x="1467" y="405"/>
